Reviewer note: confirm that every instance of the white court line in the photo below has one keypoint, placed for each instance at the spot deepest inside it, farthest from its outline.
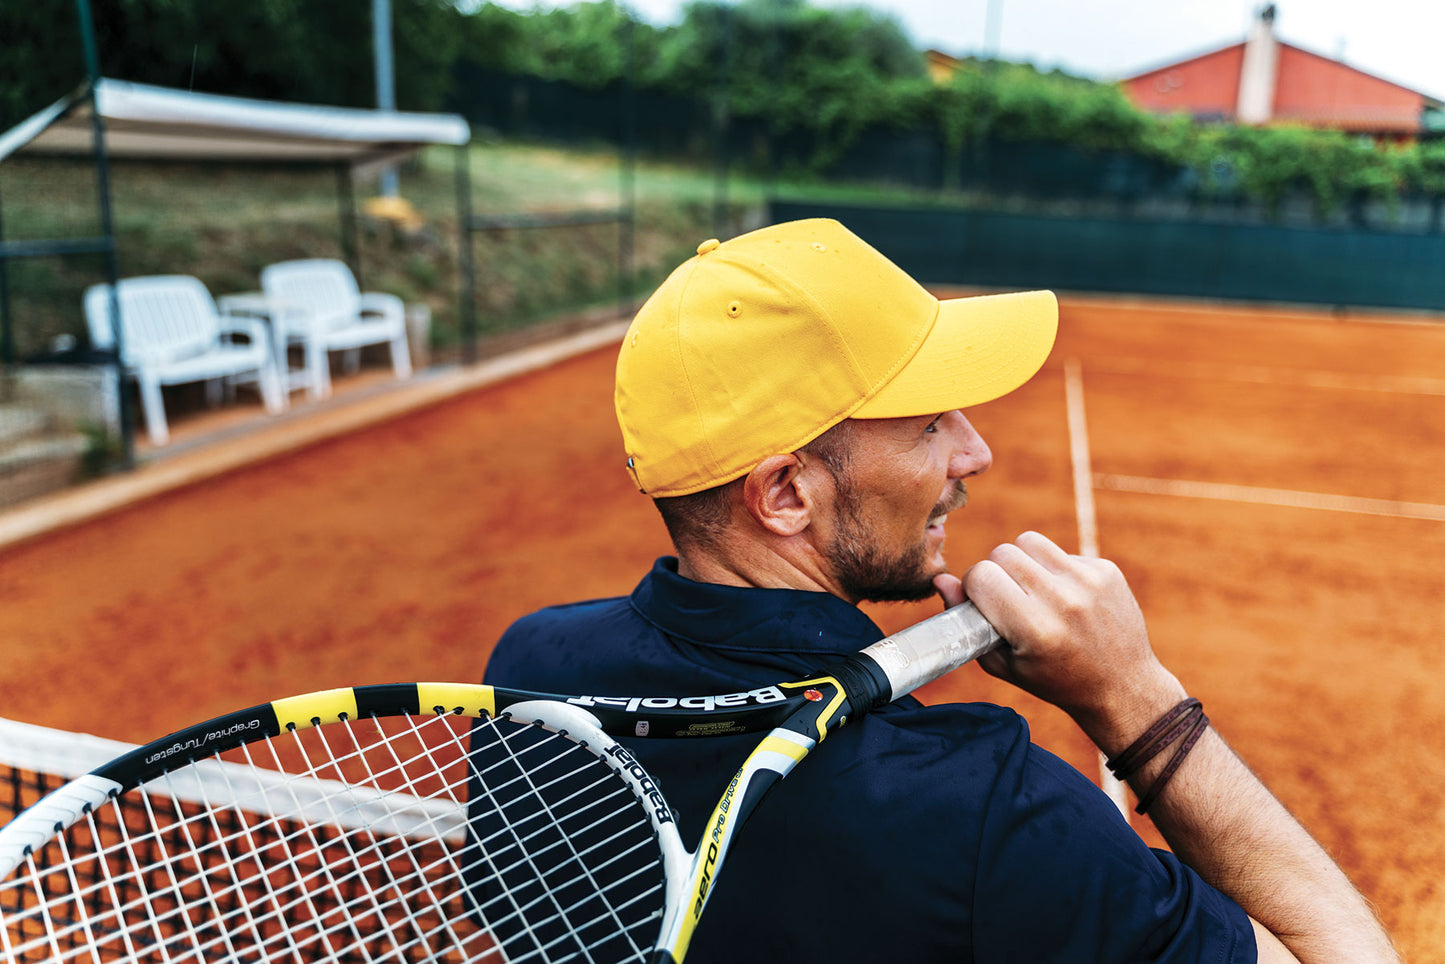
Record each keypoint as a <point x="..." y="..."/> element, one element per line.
<point x="1088" y="526"/>
<point x="1079" y="457"/>
<point x="1266" y="496"/>
<point x="1264" y="375"/>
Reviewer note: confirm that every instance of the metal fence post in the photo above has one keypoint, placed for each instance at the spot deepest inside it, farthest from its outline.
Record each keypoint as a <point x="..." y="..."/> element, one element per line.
<point x="468" y="319"/>
<point x="7" y="333"/>
<point x="350" y="226"/>
<point x="627" y="226"/>
<point x="107" y="227"/>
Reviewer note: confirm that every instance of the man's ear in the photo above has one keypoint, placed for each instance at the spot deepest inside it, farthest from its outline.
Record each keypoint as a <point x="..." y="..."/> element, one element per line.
<point x="779" y="496"/>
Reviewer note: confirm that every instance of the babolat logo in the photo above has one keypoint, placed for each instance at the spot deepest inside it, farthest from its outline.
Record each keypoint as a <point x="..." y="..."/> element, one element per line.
<point x="714" y="843"/>
<point x="649" y="789"/>
<point x="197" y="743"/>
<point x="761" y="697"/>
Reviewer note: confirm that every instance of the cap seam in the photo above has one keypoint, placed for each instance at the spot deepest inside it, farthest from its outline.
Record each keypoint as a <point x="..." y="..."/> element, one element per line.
<point x="903" y="362"/>
<point x="696" y="407"/>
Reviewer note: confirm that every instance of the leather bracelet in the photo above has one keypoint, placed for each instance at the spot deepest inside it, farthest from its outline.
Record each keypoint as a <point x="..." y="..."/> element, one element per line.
<point x="1196" y="730"/>
<point x="1164" y="732"/>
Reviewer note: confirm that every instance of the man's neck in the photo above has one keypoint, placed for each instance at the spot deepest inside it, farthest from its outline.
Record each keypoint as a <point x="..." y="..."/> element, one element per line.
<point x="757" y="567"/>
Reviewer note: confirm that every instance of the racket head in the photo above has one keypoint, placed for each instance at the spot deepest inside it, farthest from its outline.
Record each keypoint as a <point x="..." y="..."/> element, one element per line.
<point x="409" y="820"/>
<point x="447" y="835"/>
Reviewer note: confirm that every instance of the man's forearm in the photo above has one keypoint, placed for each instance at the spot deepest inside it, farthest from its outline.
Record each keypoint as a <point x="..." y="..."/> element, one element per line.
<point x="1077" y="639"/>
<point x="1221" y="820"/>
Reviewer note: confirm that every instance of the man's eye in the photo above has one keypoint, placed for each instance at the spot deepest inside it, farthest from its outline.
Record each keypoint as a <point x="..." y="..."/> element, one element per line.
<point x="933" y="425"/>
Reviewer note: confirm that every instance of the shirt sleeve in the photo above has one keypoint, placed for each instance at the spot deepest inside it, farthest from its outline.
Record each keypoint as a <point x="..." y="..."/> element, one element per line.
<point x="1063" y="878"/>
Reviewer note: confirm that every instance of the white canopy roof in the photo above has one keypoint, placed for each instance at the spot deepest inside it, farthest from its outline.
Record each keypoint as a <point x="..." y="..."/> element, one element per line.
<point x="157" y="122"/>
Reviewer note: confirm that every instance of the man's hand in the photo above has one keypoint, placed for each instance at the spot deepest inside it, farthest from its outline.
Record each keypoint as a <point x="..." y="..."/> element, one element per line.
<point x="1076" y="637"/>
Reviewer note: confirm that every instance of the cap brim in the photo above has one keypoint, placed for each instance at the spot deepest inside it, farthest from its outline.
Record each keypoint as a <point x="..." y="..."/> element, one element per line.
<point x="979" y="349"/>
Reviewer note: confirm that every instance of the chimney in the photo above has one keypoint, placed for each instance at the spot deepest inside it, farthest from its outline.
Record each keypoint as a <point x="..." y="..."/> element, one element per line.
<point x="1259" y="71"/>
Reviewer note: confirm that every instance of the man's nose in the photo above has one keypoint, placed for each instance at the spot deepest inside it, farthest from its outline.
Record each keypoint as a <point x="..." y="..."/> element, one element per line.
<point x="971" y="455"/>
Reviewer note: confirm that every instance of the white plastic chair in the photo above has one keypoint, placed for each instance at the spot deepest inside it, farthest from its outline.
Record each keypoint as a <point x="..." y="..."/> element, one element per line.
<point x="172" y="334"/>
<point x="316" y="302"/>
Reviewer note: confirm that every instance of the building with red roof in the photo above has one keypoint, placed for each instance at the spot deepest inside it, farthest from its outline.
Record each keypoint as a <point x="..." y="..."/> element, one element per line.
<point x="1263" y="80"/>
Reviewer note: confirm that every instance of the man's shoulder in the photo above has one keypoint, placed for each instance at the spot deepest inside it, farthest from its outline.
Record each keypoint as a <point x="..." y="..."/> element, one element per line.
<point x="573" y="623"/>
<point x="964" y="740"/>
<point x="567" y="647"/>
<point x="579" y="612"/>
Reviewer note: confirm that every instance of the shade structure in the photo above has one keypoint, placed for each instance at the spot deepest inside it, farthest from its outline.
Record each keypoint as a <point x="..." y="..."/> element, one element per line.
<point x="145" y="121"/>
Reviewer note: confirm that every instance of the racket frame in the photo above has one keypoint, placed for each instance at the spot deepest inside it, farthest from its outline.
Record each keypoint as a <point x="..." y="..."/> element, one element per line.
<point x="797" y="716"/>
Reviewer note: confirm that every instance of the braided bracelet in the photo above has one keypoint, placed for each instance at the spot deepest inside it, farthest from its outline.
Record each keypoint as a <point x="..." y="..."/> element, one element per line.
<point x="1186" y="719"/>
<point x="1196" y="730"/>
<point x="1164" y="732"/>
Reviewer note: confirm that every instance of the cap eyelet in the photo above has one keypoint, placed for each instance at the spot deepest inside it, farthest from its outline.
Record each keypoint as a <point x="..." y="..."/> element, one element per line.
<point x="735" y="308"/>
<point x="819" y="246"/>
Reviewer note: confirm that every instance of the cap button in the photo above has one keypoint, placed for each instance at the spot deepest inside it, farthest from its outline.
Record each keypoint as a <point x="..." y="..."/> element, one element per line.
<point x="711" y="244"/>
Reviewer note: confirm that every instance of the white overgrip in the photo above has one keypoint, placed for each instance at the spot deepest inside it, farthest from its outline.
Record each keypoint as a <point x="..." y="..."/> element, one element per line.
<point x="938" y="645"/>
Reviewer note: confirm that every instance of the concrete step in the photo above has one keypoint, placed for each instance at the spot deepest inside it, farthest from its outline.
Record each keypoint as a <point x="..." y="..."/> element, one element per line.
<point x="34" y="466"/>
<point x="21" y="422"/>
<point x="37" y="455"/>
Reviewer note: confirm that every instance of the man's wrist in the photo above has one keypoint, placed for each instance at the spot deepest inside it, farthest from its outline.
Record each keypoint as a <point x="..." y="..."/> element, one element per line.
<point x="1120" y="719"/>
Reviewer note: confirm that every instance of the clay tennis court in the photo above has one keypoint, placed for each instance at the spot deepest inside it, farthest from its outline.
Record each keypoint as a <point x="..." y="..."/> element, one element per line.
<point x="1269" y="480"/>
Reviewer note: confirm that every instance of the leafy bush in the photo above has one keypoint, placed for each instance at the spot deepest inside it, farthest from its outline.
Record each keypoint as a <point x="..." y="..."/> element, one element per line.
<point x="825" y="75"/>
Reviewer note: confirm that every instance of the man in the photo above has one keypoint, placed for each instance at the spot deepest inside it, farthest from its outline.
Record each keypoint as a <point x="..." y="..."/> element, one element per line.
<point x="793" y="402"/>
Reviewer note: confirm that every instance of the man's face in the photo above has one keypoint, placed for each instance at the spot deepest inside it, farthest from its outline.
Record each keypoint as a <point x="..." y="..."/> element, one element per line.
<point x="903" y="475"/>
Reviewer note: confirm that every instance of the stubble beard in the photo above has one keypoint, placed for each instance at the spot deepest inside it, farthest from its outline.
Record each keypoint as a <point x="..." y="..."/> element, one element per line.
<point x="866" y="572"/>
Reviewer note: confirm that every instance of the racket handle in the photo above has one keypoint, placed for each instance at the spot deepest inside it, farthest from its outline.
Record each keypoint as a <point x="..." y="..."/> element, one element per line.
<point x="938" y="645"/>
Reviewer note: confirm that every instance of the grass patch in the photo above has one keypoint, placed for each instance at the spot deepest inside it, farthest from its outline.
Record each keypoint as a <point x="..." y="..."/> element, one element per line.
<point x="224" y="222"/>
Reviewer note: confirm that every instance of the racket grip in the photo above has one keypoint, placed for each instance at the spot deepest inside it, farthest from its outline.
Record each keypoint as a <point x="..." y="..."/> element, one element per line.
<point x="938" y="645"/>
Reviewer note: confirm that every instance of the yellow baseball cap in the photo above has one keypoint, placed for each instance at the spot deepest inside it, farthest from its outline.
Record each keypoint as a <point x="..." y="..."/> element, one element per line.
<point x="760" y="344"/>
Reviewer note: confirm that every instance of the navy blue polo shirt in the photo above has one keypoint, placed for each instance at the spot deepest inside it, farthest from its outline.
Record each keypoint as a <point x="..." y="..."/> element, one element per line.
<point x="918" y="833"/>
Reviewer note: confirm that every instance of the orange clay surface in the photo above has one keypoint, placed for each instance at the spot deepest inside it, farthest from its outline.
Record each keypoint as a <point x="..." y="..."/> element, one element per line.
<point x="1312" y="630"/>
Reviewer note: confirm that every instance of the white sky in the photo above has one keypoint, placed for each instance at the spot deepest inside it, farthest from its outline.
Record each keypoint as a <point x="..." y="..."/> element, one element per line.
<point x="1399" y="40"/>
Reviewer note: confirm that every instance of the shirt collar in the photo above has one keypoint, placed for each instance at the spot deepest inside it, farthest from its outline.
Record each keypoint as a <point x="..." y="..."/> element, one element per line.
<point x="745" y="618"/>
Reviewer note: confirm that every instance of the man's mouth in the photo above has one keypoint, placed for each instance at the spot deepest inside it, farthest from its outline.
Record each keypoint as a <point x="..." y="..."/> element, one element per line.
<point x="956" y="499"/>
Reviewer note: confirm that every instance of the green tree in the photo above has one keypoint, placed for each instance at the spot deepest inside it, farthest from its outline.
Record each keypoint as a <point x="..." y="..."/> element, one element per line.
<point x="297" y="50"/>
<point x="35" y="74"/>
<point x="499" y="38"/>
<point x="830" y="72"/>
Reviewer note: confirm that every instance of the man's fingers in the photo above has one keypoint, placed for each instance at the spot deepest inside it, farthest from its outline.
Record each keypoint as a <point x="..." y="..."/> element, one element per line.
<point x="949" y="588"/>
<point x="1076" y="637"/>
<point x="1044" y="551"/>
<point x="1023" y="568"/>
<point x="1032" y="591"/>
<point x="1046" y="571"/>
<point x="1000" y="597"/>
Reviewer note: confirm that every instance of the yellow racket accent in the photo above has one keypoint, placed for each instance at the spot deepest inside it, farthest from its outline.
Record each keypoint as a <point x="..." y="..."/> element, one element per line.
<point x="311" y="709"/>
<point x="775" y="744"/>
<point x="826" y="713"/>
<point x="474" y="699"/>
<point x="702" y="876"/>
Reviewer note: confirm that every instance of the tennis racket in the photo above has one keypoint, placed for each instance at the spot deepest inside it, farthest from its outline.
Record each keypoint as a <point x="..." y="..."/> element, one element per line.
<point x="428" y="821"/>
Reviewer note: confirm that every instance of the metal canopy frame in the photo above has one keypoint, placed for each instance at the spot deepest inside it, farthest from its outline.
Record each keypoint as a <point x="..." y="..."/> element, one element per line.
<point x="344" y="138"/>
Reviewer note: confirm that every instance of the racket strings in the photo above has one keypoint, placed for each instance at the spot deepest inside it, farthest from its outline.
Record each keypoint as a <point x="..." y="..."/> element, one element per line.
<point x="431" y="838"/>
<point x="429" y="878"/>
<point x="568" y="822"/>
<point x="365" y="901"/>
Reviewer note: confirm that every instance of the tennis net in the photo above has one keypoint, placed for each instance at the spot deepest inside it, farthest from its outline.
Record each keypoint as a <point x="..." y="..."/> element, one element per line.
<point x="348" y="857"/>
<point x="391" y="839"/>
